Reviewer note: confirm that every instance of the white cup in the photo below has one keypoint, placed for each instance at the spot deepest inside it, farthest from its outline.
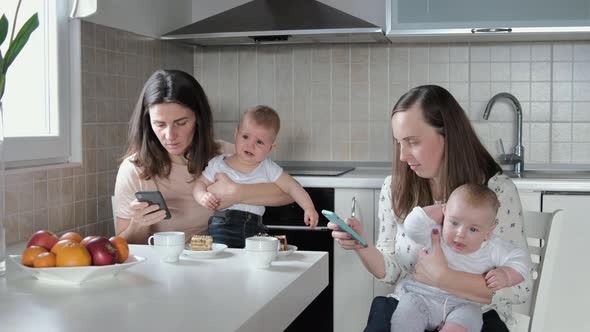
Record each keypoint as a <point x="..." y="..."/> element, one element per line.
<point x="168" y="245"/>
<point x="261" y="250"/>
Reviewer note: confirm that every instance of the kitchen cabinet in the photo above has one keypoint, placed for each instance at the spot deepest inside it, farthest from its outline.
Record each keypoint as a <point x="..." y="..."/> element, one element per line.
<point x="569" y="292"/>
<point x="353" y="284"/>
<point x="468" y="19"/>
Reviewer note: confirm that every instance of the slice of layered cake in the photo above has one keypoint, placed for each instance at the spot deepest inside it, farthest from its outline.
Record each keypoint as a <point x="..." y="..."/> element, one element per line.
<point x="201" y="242"/>
<point x="283" y="241"/>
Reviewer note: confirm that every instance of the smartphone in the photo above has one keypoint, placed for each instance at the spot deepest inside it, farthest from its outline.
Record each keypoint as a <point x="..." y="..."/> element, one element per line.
<point x="333" y="217"/>
<point x="154" y="197"/>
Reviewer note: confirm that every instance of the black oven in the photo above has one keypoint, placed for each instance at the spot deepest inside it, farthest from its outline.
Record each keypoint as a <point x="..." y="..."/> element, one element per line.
<point x="288" y="220"/>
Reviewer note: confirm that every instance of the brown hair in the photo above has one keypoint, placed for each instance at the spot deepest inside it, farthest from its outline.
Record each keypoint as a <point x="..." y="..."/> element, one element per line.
<point x="264" y="116"/>
<point x="170" y="86"/>
<point x="477" y="195"/>
<point x="465" y="159"/>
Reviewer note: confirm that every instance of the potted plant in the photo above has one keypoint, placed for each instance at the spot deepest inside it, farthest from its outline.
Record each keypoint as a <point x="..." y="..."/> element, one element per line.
<point x="15" y="45"/>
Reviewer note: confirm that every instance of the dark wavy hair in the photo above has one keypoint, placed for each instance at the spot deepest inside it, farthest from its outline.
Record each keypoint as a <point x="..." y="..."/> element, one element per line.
<point x="465" y="159"/>
<point x="170" y="86"/>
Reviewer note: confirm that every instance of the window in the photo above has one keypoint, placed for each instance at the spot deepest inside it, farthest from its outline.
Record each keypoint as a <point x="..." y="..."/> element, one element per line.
<point x="41" y="102"/>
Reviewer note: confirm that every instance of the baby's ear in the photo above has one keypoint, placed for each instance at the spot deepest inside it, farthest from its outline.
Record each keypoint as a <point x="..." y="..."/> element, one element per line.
<point x="444" y="208"/>
<point x="491" y="230"/>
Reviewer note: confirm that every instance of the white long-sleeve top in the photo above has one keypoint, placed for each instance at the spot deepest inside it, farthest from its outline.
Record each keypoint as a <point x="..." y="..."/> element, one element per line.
<point x="399" y="252"/>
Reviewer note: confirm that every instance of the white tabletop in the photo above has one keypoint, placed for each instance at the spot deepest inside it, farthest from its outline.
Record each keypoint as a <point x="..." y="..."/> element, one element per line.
<point x="217" y="294"/>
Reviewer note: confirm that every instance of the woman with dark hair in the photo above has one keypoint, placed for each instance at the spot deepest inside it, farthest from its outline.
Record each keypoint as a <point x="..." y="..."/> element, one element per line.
<point x="170" y="142"/>
<point x="436" y="151"/>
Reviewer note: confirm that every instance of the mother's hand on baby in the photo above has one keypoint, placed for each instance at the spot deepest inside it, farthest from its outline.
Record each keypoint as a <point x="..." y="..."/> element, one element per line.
<point x="431" y="265"/>
<point x="344" y="239"/>
<point x="225" y="190"/>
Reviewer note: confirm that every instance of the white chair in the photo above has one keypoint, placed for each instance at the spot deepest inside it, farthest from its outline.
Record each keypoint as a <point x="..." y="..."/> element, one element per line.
<point x="114" y="208"/>
<point x="542" y="232"/>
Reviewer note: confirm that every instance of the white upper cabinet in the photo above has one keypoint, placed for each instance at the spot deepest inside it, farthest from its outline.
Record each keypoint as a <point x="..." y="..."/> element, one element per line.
<point x="465" y="20"/>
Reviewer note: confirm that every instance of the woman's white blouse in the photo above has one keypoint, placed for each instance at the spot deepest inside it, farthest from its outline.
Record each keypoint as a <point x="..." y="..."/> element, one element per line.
<point x="400" y="252"/>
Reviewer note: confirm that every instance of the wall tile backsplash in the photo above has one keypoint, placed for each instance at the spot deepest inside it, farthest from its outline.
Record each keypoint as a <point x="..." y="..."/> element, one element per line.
<point x="334" y="102"/>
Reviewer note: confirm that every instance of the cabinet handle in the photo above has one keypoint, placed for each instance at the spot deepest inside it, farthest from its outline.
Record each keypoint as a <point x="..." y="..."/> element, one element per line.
<point x="353" y="209"/>
<point x="486" y="30"/>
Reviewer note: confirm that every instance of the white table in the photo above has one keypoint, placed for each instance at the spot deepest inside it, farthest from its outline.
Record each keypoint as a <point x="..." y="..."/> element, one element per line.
<point x="219" y="294"/>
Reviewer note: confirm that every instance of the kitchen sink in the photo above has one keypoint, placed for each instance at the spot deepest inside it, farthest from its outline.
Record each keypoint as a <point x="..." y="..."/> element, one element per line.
<point x="551" y="174"/>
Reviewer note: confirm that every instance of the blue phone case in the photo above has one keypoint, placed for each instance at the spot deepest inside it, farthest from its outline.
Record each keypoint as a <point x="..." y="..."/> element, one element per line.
<point x="333" y="217"/>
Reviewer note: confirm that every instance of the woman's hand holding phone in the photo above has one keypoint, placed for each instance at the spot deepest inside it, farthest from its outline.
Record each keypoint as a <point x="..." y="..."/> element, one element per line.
<point x="344" y="239"/>
<point x="144" y="214"/>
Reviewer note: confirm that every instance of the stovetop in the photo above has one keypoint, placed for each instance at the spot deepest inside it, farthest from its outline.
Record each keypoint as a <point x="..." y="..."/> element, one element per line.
<point x="317" y="170"/>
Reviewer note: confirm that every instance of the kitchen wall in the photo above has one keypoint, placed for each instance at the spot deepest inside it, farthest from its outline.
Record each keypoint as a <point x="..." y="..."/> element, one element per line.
<point x="335" y="100"/>
<point x="115" y="64"/>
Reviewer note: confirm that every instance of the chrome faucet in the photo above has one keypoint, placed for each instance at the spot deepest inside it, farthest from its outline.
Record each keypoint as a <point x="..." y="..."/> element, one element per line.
<point x="516" y="158"/>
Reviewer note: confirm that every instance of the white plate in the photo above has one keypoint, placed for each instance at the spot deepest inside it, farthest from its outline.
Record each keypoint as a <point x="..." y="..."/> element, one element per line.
<point x="289" y="251"/>
<point x="76" y="275"/>
<point x="216" y="248"/>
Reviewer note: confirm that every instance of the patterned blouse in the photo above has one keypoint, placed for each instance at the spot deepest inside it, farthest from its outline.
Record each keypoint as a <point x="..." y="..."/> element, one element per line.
<point x="400" y="252"/>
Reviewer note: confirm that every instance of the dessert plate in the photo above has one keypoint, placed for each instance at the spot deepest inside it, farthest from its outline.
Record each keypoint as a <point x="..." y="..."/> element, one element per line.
<point x="79" y="274"/>
<point x="289" y="251"/>
<point x="216" y="248"/>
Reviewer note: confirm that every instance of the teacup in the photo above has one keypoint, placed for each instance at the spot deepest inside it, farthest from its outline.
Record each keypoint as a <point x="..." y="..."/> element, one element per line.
<point x="261" y="250"/>
<point x="168" y="245"/>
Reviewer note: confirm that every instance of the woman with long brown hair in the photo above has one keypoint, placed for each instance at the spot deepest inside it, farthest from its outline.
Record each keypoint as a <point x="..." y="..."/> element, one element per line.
<point x="436" y="151"/>
<point x="170" y="142"/>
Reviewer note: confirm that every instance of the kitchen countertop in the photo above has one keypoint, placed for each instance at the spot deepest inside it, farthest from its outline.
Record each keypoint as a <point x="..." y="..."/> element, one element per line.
<point x="372" y="178"/>
<point x="217" y="294"/>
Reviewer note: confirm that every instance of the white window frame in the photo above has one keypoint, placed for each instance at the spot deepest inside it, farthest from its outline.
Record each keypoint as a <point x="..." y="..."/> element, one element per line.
<point x="22" y="152"/>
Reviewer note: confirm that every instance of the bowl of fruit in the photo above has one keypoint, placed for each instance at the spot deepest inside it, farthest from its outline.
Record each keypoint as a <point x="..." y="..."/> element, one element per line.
<point x="72" y="259"/>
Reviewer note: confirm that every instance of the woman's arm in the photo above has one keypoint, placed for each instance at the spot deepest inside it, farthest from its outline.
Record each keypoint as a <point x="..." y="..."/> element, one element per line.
<point x="229" y="193"/>
<point x="432" y="269"/>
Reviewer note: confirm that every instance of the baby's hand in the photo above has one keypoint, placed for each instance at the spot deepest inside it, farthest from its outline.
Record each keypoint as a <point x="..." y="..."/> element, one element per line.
<point x="310" y="217"/>
<point x="209" y="201"/>
<point x="498" y="278"/>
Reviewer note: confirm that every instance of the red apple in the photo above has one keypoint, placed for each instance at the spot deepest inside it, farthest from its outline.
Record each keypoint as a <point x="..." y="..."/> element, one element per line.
<point x="43" y="238"/>
<point x="102" y="251"/>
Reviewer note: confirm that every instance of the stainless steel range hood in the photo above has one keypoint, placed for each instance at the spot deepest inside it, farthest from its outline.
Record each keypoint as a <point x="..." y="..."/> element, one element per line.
<point x="279" y="22"/>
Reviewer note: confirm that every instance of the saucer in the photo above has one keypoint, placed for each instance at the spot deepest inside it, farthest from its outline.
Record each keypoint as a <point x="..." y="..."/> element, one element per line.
<point x="216" y="248"/>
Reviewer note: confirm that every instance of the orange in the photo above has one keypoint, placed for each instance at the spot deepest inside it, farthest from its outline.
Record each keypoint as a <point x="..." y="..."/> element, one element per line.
<point x="30" y="253"/>
<point x="73" y="254"/>
<point x="71" y="236"/>
<point x="60" y="245"/>
<point x="122" y="247"/>
<point x="87" y="239"/>
<point x="45" y="259"/>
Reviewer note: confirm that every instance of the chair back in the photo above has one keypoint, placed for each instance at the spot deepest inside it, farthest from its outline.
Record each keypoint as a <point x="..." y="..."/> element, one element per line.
<point x="542" y="232"/>
<point x="114" y="209"/>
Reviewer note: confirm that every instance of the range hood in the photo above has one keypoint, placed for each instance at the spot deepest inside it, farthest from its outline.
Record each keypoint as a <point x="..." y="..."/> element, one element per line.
<point x="279" y="22"/>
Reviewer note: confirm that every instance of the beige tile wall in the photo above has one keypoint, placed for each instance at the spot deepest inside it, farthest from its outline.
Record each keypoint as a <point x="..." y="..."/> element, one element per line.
<point x="335" y="100"/>
<point x="115" y="64"/>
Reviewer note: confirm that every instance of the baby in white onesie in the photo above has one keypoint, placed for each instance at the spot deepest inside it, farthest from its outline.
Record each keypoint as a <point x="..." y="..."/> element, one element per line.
<point x="469" y="245"/>
<point x="254" y="139"/>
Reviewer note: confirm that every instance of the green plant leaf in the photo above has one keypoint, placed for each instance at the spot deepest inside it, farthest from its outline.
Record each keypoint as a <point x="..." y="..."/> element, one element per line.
<point x="2" y="82"/>
<point x="20" y="40"/>
<point x="3" y="28"/>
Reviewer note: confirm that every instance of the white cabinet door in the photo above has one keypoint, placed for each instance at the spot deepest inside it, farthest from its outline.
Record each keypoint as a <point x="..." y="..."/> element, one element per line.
<point x="379" y="288"/>
<point x="469" y="19"/>
<point x="531" y="200"/>
<point x="569" y="294"/>
<point x="353" y="284"/>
